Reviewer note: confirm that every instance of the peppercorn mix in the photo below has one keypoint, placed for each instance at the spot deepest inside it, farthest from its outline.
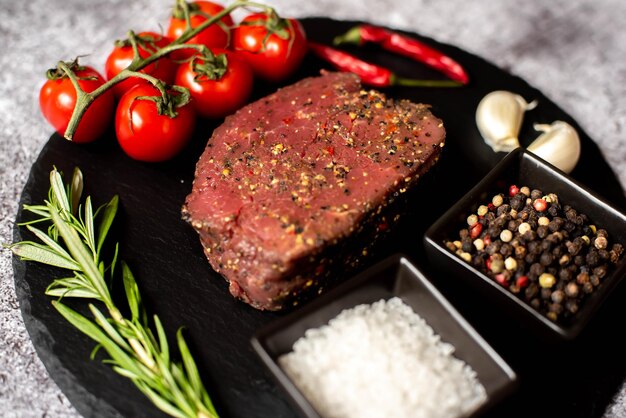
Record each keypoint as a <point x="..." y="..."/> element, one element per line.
<point x="540" y="249"/>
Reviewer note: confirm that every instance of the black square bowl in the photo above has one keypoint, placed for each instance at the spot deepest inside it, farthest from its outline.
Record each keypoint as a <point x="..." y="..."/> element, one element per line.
<point x="395" y="276"/>
<point x="523" y="168"/>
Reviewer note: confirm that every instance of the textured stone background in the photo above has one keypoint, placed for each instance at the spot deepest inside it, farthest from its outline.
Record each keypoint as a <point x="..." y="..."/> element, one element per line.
<point x="575" y="52"/>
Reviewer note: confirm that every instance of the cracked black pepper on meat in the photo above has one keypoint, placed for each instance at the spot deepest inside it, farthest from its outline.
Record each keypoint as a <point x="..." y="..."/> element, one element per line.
<point x="300" y="183"/>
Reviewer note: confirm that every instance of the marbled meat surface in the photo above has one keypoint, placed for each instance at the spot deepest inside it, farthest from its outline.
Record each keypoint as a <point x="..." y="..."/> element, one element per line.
<point x="286" y="180"/>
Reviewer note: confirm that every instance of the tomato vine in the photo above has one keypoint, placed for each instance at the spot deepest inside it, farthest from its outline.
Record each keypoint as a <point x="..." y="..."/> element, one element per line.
<point x="85" y="99"/>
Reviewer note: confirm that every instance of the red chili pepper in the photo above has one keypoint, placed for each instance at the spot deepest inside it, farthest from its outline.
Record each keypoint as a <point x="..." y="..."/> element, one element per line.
<point x="371" y="74"/>
<point x="406" y="46"/>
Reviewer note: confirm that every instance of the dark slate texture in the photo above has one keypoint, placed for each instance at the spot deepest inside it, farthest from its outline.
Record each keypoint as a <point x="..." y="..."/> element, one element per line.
<point x="571" y="51"/>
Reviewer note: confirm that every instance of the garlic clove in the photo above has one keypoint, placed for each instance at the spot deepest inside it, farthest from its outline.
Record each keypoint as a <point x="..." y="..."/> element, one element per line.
<point x="499" y="118"/>
<point x="559" y="144"/>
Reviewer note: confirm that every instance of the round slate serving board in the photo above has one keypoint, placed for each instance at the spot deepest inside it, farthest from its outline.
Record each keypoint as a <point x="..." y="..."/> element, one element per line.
<point x="561" y="379"/>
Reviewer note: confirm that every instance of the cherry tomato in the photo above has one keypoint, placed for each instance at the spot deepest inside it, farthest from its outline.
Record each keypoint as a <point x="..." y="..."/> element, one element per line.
<point x="121" y="57"/>
<point x="283" y="50"/>
<point x="57" y="99"/>
<point x="216" y="98"/>
<point x="215" y="36"/>
<point x="144" y="134"/>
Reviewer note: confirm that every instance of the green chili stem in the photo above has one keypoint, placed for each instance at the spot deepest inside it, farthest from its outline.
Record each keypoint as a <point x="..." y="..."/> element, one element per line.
<point x="409" y="82"/>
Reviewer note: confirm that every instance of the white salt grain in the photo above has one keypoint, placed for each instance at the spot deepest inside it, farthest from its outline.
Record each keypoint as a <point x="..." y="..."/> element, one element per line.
<point x="381" y="360"/>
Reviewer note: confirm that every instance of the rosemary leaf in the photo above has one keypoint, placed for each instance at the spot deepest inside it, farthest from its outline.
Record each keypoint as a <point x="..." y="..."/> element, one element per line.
<point x="125" y="373"/>
<point x="76" y="188"/>
<point x="95" y="350"/>
<point x="49" y="242"/>
<point x="40" y="210"/>
<point x="59" y="197"/>
<point x="83" y="324"/>
<point x="36" y="221"/>
<point x="114" y="262"/>
<point x="165" y="349"/>
<point x="159" y="401"/>
<point x="132" y="292"/>
<point x="189" y="363"/>
<point x="36" y="252"/>
<point x="70" y="292"/>
<point x="108" y="328"/>
<point x="108" y="214"/>
<point x="52" y="232"/>
<point x="70" y="282"/>
<point x="89" y="233"/>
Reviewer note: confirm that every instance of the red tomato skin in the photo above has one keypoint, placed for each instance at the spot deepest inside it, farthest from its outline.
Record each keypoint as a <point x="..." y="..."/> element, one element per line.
<point x="218" y="98"/>
<point x="57" y="99"/>
<point x="213" y="36"/>
<point x="145" y="135"/>
<point x="278" y="61"/>
<point x="121" y="57"/>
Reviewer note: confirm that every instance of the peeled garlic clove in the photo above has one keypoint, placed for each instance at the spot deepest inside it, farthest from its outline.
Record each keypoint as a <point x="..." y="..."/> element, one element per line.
<point x="499" y="118"/>
<point x="559" y="145"/>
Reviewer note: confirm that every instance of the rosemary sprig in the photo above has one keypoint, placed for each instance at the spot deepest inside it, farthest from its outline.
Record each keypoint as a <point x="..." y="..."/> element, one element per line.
<point x="134" y="350"/>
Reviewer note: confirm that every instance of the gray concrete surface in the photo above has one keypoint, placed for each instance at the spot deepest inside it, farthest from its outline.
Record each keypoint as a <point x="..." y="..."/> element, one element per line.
<point x="574" y="51"/>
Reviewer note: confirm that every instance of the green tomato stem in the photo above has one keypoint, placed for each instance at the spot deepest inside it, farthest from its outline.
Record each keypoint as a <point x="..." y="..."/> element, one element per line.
<point x="83" y="100"/>
<point x="133" y="43"/>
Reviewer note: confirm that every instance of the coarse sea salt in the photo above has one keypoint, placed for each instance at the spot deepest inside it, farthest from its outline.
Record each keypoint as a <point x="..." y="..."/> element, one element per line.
<point x="381" y="360"/>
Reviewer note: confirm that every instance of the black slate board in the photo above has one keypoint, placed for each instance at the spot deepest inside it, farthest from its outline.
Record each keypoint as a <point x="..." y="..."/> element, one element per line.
<point x="574" y="379"/>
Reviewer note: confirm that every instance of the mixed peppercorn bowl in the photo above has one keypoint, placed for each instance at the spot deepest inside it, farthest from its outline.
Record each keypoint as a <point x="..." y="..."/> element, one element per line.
<point x="531" y="239"/>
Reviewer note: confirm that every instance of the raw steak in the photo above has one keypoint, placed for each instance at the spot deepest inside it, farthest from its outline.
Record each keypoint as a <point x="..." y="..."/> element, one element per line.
<point x="296" y="186"/>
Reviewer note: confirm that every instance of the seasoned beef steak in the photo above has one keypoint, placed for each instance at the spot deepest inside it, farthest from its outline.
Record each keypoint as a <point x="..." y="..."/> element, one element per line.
<point x="289" y="186"/>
